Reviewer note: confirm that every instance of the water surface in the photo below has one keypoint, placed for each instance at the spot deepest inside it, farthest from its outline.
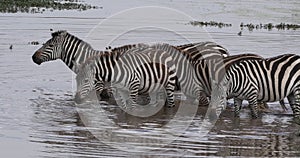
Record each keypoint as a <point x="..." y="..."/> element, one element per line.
<point x="38" y="117"/>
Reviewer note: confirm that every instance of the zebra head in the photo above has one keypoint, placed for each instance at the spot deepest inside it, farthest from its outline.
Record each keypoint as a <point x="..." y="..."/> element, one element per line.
<point x="86" y="82"/>
<point x="219" y="94"/>
<point x="51" y="50"/>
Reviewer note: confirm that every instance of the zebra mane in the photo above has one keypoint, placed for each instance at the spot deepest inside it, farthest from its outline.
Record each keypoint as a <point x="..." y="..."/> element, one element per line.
<point x="54" y="34"/>
<point x="279" y="56"/>
<point x="191" y="47"/>
<point x="118" y="51"/>
<point x="167" y="47"/>
<point x="65" y="33"/>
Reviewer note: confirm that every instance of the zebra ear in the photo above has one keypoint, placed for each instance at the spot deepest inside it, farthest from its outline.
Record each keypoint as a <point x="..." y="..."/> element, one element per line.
<point x="57" y="33"/>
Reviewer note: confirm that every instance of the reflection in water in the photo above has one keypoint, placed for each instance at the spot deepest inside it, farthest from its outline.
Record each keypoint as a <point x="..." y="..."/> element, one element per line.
<point x="59" y="128"/>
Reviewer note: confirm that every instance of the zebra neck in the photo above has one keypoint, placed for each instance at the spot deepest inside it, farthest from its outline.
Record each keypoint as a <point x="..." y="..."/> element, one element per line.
<point x="76" y="51"/>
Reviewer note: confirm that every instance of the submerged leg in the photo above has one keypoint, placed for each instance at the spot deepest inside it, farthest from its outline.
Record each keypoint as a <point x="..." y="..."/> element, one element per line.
<point x="170" y="87"/>
<point x="203" y="101"/>
<point x="283" y="105"/>
<point x="253" y="106"/>
<point x="294" y="101"/>
<point x="133" y="93"/>
<point x="237" y="106"/>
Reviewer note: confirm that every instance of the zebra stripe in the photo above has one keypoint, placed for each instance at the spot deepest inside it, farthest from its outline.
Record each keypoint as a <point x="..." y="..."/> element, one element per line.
<point x="264" y="80"/>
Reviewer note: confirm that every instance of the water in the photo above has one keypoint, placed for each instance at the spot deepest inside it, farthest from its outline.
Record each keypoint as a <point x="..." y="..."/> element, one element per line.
<point x="38" y="117"/>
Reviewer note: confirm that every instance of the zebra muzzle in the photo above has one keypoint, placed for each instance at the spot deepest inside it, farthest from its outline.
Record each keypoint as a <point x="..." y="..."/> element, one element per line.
<point x="36" y="60"/>
<point x="78" y="99"/>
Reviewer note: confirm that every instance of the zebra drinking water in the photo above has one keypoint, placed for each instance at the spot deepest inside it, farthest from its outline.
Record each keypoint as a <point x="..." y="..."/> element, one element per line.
<point x="141" y="70"/>
<point x="263" y="80"/>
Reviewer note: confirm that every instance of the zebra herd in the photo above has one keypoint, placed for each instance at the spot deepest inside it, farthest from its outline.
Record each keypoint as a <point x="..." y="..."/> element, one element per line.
<point x="191" y="68"/>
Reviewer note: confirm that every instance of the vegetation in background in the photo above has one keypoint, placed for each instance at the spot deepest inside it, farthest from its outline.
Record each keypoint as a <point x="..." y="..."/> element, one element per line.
<point x="249" y="26"/>
<point x="211" y="23"/>
<point x="38" y="6"/>
<point x="270" y="26"/>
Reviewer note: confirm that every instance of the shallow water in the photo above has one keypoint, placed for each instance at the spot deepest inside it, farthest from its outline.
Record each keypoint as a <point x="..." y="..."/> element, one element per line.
<point x="38" y="117"/>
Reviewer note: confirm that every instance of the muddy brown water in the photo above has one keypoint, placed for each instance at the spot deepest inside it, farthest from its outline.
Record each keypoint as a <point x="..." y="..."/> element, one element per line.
<point x="38" y="117"/>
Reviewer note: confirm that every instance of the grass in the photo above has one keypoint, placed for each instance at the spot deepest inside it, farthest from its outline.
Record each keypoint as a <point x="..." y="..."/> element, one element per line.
<point x="38" y="6"/>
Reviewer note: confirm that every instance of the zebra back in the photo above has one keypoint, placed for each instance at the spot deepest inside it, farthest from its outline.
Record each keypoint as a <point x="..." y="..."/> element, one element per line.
<point x="144" y="66"/>
<point x="203" y="50"/>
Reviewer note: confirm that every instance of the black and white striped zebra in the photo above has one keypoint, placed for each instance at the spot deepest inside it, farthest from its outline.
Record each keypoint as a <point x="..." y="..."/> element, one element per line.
<point x="213" y="69"/>
<point x="72" y="51"/>
<point x="141" y="70"/>
<point x="263" y="80"/>
<point x="185" y="72"/>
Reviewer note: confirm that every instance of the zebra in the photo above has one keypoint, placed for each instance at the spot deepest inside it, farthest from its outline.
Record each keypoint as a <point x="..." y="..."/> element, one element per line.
<point x="72" y="51"/>
<point x="213" y="69"/>
<point x="141" y="70"/>
<point x="207" y="53"/>
<point x="186" y="74"/>
<point x="263" y="80"/>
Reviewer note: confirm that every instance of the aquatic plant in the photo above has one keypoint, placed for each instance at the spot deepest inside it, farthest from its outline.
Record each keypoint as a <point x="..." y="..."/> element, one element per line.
<point x="270" y="26"/>
<point x="211" y="23"/>
<point x="38" y="6"/>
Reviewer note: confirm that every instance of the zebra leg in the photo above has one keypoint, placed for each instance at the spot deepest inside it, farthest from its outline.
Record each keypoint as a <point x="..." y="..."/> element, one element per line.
<point x="237" y="106"/>
<point x="170" y="94"/>
<point x="133" y="93"/>
<point x="99" y="88"/>
<point x="294" y="100"/>
<point x="253" y="107"/>
<point x="203" y="101"/>
<point x="283" y="105"/>
<point x="263" y="106"/>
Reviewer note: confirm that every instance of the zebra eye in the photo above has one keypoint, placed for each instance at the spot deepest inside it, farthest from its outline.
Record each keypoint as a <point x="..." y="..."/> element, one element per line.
<point x="51" y="45"/>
